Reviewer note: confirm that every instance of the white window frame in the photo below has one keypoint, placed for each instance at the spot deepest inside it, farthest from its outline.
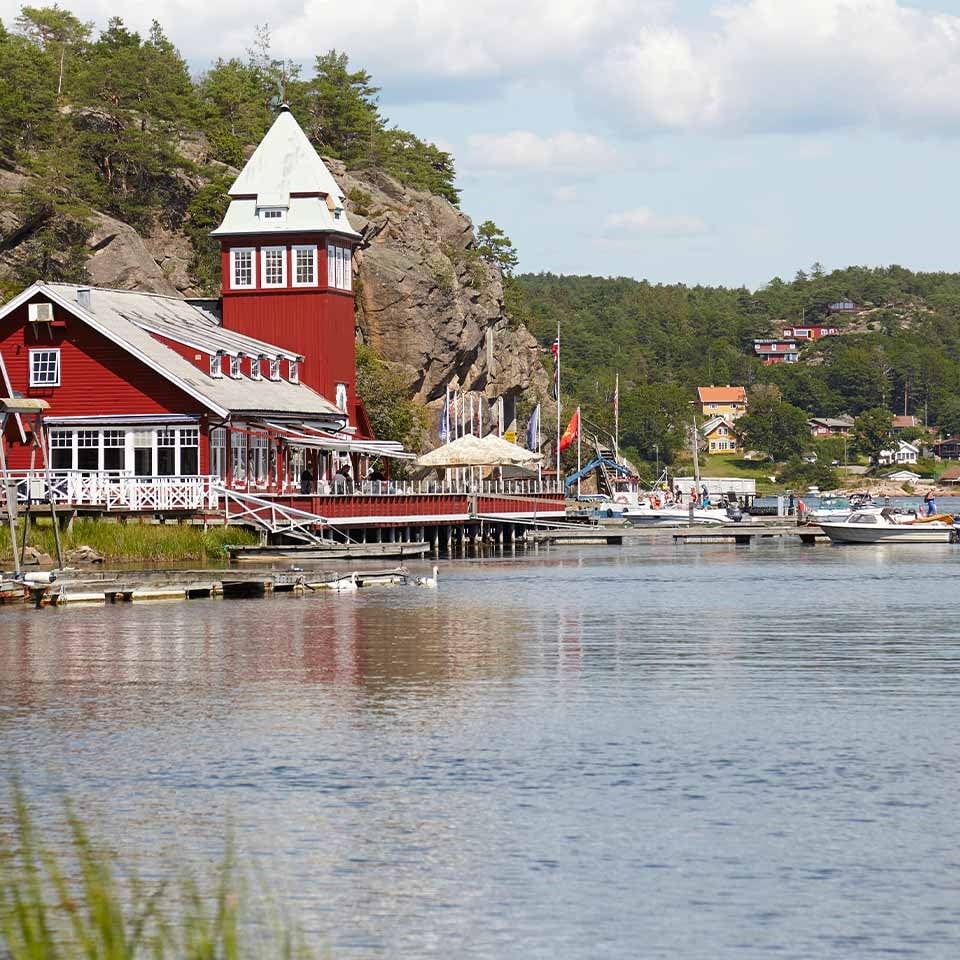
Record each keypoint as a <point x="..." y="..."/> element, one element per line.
<point x="234" y="285"/>
<point x="216" y="364"/>
<point x="256" y="373"/>
<point x="218" y="452"/>
<point x="332" y="265"/>
<point x="274" y="368"/>
<point x="272" y="214"/>
<point x="342" y="397"/>
<point x="297" y="250"/>
<point x="236" y="366"/>
<point x="293" y="371"/>
<point x="339" y="263"/>
<point x="264" y="252"/>
<point x="35" y="359"/>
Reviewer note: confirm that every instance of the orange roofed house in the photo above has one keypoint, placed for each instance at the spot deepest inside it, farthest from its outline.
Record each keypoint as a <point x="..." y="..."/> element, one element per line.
<point x="729" y="402"/>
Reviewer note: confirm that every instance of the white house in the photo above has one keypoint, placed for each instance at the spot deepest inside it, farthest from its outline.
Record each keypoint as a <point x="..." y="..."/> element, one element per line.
<point x="904" y="452"/>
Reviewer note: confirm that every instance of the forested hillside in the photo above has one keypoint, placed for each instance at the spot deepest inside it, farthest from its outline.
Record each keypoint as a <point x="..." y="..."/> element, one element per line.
<point x="113" y="121"/>
<point x="900" y="351"/>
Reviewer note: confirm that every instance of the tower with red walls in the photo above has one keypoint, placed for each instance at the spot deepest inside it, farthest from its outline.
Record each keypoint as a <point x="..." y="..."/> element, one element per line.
<point x="286" y="249"/>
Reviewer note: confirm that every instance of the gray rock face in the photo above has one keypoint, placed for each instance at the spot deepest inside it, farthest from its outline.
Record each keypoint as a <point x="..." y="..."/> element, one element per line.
<point x="119" y="258"/>
<point x="426" y="300"/>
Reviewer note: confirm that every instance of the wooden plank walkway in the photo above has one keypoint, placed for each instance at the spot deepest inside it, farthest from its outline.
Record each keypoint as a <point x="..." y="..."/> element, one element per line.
<point x="703" y="533"/>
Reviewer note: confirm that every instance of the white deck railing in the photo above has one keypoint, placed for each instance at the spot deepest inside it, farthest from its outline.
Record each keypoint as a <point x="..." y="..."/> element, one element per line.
<point x="110" y="489"/>
<point x="383" y="488"/>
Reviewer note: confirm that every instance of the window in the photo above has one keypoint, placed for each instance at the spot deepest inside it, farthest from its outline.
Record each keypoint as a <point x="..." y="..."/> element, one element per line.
<point x="235" y="366"/>
<point x="272" y="214"/>
<point x="114" y="450"/>
<point x="143" y="453"/>
<point x="275" y="368"/>
<point x="238" y="451"/>
<point x="218" y="452"/>
<point x="258" y="458"/>
<point x="61" y="449"/>
<point x="274" y="266"/>
<point x="88" y="450"/>
<point x="189" y="452"/>
<point x="341" y="398"/>
<point x="255" y="372"/>
<point x="241" y="267"/>
<point x="347" y="272"/>
<point x="216" y="364"/>
<point x="167" y="453"/>
<point x="304" y="266"/>
<point x="44" y="368"/>
<point x="339" y="259"/>
<point x="293" y="371"/>
<point x="331" y="265"/>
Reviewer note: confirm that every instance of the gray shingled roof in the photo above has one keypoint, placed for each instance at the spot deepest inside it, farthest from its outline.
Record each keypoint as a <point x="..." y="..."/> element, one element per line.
<point x="125" y="317"/>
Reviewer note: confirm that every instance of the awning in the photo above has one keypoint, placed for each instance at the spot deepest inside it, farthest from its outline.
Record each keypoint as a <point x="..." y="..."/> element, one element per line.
<point x="302" y="435"/>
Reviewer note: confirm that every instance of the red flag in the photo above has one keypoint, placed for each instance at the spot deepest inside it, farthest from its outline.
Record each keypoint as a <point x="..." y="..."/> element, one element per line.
<point x="572" y="431"/>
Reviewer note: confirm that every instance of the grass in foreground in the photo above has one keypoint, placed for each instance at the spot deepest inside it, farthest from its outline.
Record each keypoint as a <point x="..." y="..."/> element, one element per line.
<point x="69" y="904"/>
<point x="135" y="541"/>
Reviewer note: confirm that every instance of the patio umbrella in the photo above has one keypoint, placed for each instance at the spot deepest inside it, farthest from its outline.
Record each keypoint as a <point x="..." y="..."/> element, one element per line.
<point x="470" y="451"/>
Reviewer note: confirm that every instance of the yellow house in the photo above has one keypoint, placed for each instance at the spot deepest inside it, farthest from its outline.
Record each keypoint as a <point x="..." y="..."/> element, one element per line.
<point x="729" y="402"/>
<point x="721" y="436"/>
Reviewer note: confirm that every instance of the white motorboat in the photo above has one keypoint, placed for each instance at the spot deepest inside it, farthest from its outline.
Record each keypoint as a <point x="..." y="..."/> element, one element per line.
<point x="649" y="513"/>
<point x="832" y="509"/>
<point x="886" y="526"/>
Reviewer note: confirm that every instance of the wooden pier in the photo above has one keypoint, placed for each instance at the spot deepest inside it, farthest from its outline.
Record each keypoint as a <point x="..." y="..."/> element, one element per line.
<point x="743" y="533"/>
<point x="141" y="586"/>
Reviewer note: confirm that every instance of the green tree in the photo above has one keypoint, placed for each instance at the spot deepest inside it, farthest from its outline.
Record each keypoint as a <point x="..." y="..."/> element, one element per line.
<point x="496" y="247"/>
<point x="873" y="431"/>
<point x="774" y="427"/>
<point x="56" y="31"/>
<point x="655" y="420"/>
<point x="384" y="394"/>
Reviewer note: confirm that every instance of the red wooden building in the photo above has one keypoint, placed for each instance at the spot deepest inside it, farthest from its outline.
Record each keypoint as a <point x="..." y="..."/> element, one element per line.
<point x="159" y="403"/>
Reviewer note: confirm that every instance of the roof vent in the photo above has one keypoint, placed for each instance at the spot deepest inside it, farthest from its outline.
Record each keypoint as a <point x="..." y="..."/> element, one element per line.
<point x="83" y="297"/>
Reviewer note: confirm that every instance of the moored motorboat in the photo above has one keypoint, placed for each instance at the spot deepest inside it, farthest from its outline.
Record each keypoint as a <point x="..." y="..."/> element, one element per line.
<point x="887" y="526"/>
<point x="649" y="513"/>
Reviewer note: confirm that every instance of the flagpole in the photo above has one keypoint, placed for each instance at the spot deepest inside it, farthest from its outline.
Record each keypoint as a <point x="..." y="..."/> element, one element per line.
<point x="616" y="418"/>
<point x="579" y="432"/>
<point x="560" y="488"/>
<point x="540" y="461"/>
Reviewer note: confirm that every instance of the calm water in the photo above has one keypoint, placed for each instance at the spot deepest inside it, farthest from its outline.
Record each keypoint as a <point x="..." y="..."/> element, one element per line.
<point x="653" y="751"/>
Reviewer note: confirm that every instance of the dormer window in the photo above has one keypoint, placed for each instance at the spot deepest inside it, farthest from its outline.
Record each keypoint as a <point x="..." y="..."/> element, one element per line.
<point x="235" y="367"/>
<point x="216" y="364"/>
<point x="274" y="368"/>
<point x="272" y="214"/>
<point x="255" y="373"/>
<point x="341" y="397"/>
<point x="293" y="371"/>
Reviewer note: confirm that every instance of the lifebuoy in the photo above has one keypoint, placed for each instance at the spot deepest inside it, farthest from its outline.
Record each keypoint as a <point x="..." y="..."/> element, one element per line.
<point x="621" y="498"/>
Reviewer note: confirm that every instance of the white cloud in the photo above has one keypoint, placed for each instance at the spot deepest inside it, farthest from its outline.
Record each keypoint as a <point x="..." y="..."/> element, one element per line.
<point x="564" y="194"/>
<point x="563" y="154"/>
<point x="780" y="65"/>
<point x="645" y="221"/>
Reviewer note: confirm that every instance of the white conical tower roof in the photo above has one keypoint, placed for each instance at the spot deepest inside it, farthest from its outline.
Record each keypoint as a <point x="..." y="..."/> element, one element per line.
<point x="285" y="172"/>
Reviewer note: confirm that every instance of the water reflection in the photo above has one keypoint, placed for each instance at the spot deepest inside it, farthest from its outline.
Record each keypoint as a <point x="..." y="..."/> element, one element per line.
<point x="723" y="751"/>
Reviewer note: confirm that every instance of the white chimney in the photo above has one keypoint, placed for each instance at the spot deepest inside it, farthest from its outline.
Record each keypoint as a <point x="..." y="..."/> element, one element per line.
<point x="83" y="298"/>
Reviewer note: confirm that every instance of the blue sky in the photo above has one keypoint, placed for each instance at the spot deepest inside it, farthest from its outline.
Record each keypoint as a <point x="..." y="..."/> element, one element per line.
<point x="695" y="141"/>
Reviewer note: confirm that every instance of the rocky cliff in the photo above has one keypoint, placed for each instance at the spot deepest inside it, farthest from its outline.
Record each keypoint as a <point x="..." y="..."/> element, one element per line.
<point x="426" y="301"/>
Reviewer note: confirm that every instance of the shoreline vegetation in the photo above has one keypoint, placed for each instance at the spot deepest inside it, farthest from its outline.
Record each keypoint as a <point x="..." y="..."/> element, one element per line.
<point x="132" y="542"/>
<point x="76" y="900"/>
